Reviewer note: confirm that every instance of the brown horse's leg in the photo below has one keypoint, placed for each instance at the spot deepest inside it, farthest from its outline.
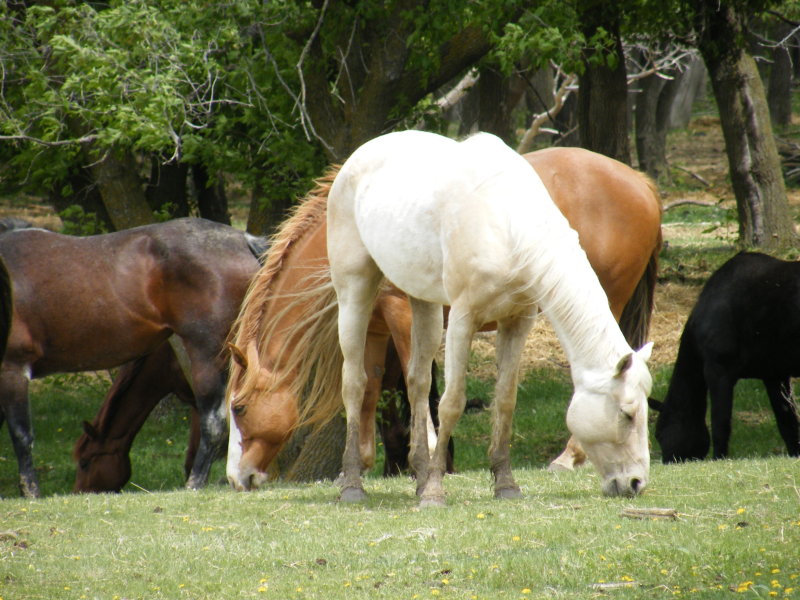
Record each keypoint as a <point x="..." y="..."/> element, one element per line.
<point x="17" y="410"/>
<point x="374" y="363"/>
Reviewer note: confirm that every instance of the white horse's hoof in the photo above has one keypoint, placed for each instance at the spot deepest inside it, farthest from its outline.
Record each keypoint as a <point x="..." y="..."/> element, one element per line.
<point x="353" y="494"/>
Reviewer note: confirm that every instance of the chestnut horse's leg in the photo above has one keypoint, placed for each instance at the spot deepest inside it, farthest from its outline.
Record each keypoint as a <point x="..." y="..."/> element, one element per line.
<point x="17" y="410"/>
<point x="785" y="409"/>
<point x="511" y="336"/>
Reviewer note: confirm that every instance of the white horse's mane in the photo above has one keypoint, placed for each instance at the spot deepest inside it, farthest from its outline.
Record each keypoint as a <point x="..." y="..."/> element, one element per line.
<point x="552" y="262"/>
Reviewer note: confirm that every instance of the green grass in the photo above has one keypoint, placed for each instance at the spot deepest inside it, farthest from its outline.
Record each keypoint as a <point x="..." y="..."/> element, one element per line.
<point x="737" y="529"/>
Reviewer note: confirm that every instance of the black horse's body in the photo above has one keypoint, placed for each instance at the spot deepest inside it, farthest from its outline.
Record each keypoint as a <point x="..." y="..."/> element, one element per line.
<point x="745" y="325"/>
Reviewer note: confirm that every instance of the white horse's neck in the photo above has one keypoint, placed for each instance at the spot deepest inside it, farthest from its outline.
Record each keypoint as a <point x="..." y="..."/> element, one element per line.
<point x="571" y="297"/>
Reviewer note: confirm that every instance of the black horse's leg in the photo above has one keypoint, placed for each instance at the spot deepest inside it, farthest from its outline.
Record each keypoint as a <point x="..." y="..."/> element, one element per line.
<point x="783" y="405"/>
<point x="17" y="412"/>
<point x="720" y="387"/>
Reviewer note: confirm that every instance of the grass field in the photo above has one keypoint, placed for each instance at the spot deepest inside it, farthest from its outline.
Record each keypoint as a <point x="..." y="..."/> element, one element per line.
<point x="736" y="525"/>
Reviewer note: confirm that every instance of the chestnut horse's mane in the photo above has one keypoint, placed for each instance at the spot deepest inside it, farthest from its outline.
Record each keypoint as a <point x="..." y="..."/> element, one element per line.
<point x="306" y="355"/>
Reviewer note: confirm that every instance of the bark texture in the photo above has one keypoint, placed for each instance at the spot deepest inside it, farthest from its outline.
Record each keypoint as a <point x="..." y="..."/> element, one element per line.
<point x="764" y="218"/>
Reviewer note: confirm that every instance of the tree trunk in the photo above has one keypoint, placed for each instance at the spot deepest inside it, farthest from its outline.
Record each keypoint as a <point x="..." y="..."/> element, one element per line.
<point x="83" y="193"/>
<point x="499" y="95"/>
<point x="687" y="87"/>
<point x="212" y="202"/>
<point x="764" y="218"/>
<point x="603" y="92"/>
<point x="651" y="136"/>
<point x="320" y="455"/>
<point x="779" y="92"/>
<point x="166" y="189"/>
<point x="117" y="178"/>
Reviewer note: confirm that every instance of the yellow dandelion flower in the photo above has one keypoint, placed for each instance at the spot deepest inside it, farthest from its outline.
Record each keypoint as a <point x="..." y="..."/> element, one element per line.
<point x="435" y="592"/>
<point x="773" y="593"/>
<point x="526" y="591"/>
<point x="743" y="587"/>
<point x="515" y="538"/>
<point x="774" y="583"/>
<point x="445" y="581"/>
<point x="347" y="584"/>
<point x="262" y="589"/>
<point x="740" y="511"/>
<point x="299" y="589"/>
<point x="775" y="571"/>
<point x="480" y="516"/>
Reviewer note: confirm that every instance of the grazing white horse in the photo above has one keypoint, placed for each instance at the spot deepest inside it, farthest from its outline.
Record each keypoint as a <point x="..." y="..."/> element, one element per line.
<point x="471" y="226"/>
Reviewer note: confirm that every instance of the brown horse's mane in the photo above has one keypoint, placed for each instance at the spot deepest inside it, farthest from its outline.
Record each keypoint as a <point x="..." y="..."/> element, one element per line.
<point x="305" y="357"/>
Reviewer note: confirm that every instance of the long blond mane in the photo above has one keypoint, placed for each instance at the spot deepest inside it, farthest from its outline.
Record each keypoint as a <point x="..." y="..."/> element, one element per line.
<point x="309" y="358"/>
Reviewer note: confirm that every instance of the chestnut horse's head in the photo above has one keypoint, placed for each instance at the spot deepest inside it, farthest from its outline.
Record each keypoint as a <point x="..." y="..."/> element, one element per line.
<point x="102" y="467"/>
<point x="263" y="414"/>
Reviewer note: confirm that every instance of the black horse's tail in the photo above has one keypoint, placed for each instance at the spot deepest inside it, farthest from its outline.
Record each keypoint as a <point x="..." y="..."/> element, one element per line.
<point x="635" y="319"/>
<point x="258" y="246"/>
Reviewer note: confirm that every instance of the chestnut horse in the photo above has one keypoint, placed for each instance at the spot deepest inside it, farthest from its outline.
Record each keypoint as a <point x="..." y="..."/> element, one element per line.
<point x="615" y="209"/>
<point x="90" y="303"/>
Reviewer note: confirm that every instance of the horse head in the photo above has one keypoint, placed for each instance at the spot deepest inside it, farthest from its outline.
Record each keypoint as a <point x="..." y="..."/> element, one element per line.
<point x="682" y="437"/>
<point x="102" y="466"/>
<point x="608" y="416"/>
<point x="263" y="414"/>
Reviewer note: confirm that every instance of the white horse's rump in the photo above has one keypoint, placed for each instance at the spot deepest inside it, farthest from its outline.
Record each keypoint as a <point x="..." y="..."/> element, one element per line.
<point x="471" y="225"/>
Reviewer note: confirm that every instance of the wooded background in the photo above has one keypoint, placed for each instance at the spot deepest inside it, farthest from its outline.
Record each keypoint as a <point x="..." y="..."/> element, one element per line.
<point x="121" y="113"/>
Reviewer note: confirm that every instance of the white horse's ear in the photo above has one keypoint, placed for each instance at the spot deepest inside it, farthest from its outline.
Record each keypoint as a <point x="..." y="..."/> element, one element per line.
<point x="645" y="351"/>
<point x="623" y="365"/>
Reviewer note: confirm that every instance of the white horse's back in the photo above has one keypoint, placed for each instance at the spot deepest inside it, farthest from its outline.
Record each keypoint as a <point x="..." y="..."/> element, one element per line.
<point x="426" y="207"/>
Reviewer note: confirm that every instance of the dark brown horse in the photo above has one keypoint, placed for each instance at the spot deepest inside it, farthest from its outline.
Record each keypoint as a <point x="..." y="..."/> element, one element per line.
<point x="102" y="453"/>
<point x="101" y="301"/>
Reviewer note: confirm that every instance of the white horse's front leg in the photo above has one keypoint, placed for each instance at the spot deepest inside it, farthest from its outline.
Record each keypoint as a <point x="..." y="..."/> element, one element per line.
<point x="511" y="336"/>
<point x="458" y="340"/>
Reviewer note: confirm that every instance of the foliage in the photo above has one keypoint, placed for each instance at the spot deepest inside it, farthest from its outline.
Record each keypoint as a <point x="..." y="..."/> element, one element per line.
<point x="79" y="222"/>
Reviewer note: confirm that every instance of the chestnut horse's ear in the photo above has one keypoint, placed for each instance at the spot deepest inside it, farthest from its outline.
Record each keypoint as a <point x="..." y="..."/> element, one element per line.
<point x="90" y="430"/>
<point x="623" y="365"/>
<point x="656" y="405"/>
<point x="238" y="356"/>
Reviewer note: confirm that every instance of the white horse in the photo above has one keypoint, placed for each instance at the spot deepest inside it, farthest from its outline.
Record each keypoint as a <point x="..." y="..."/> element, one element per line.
<point x="471" y="226"/>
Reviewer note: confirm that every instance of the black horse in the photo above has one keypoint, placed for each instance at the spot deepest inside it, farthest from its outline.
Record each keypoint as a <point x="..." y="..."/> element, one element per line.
<point x="745" y="325"/>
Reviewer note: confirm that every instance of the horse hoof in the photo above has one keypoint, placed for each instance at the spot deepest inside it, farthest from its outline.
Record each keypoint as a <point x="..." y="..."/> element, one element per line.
<point x="556" y="467"/>
<point x="353" y="494"/>
<point x="508" y="493"/>
<point x="432" y="502"/>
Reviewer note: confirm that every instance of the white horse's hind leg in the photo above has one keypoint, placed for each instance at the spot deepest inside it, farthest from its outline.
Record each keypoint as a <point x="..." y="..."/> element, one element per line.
<point x="356" y="295"/>
<point x="426" y="336"/>
<point x="460" y="330"/>
<point x="511" y="336"/>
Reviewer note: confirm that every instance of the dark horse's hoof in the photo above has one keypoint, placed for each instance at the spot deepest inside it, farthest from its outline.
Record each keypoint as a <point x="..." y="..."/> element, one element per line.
<point x="508" y="493"/>
<point x="353" y="494"/>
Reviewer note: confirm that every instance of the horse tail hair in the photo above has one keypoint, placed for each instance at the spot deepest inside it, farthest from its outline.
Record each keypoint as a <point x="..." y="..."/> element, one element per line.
<point x="258" y="246"/>
<point x="638" y="311"/>
<point x="635" y="319"/>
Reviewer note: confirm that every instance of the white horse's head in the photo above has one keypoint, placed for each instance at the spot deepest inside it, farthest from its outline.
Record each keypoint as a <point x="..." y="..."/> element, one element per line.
<point x="608" y="416"/>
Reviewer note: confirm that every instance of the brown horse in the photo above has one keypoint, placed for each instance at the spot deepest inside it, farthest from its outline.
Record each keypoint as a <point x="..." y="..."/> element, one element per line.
<point x="102" y="453"/>
<point x="285" y="332"/>
<point x="101" y="301"/>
